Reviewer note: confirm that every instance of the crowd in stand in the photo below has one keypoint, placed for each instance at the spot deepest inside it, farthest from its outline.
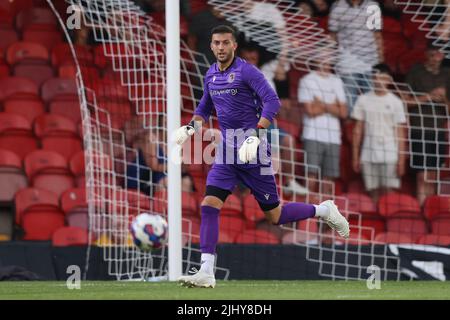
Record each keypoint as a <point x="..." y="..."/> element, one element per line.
<point x="357" y="91"/>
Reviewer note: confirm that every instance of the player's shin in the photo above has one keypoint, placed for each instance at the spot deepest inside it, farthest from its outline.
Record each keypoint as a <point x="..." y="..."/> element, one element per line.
<point x="209" y="236"/>
<point x="296" y="211"/>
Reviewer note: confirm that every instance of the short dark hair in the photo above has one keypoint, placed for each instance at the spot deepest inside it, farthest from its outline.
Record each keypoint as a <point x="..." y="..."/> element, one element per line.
<point x="382" y="68"/>
<point x="224" y="29"/>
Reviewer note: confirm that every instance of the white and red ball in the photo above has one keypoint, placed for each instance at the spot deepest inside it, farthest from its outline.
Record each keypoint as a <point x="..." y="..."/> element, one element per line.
<point x="149" y="231"/>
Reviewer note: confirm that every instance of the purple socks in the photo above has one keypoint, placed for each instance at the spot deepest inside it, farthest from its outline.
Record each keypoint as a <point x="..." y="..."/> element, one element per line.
<point x="296" y="211"/>
<point x="209" y="229"/>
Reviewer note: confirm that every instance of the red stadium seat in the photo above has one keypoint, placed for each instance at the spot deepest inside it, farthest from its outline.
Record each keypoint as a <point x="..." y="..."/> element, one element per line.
<point x="18" y="87"/>
<point x="27" y="52"/>
<point x="70" y="236"/>
<point x="232" y="225"/>
<point x="252" y="211"/>
<point x="48" y="38"/>
<point x="37" y="73"/>
<point x="232" y="206"/>
<point x="398" y="204"/>
<point x="67" y="108"/>
<point x="33" y="18"/>
<point x="256" y="236"/>
<point x="189" y="205"/>
<point x="367" y="224"/>
<point x="102" y="166"/>
<point x="393" y="237"/>
<point x="62" y="54"/>
<point x="436" y="206"/>
<point x="137" y="202"/>
<point x="59" y="89"/>
<point x="360" y="202"/>
<point x="90" y="74"/>
<point x="116" y="113"/>
<point x="413" y="227"/>
<point x="159" y="203"/>
<point x="108" y="89"/>
<point x="12" y="177"/>
<point x="7" y="37"/>
<point x="29" y="109"/>
<point x="13" y="7"/>
<point x="441" y="225"/>
<point x="58" y="133"/>
<point x="435" y="239"/>
<point x="49" y="171"/>
<point x="16" y="134"/>
<point x="408" y="59"/>
<point x="77" y="167"/>
<point x="37" y="211"/>
<point x="75" y="207"/>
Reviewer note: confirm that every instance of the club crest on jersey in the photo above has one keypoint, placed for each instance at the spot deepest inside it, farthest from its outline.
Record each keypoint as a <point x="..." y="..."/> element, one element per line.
<point x="231" y="77"/>
<point x="214" y="78"/>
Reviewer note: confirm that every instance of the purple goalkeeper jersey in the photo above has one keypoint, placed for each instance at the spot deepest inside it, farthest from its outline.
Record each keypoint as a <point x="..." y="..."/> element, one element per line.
<point x="240" y="95"/>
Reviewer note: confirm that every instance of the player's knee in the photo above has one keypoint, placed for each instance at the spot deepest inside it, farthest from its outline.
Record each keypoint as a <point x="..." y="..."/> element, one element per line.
<point x="212" y="201"/>
<point x="273" y="215"/>
<point x="273" y="219"/>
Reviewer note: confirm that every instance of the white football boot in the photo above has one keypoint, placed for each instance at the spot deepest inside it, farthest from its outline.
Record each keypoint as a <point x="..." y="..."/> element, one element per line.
<point x="200" y="279"/>
<point x="336" y="220"/>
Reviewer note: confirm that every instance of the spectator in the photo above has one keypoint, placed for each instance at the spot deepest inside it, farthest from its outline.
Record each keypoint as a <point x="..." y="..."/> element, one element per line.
<point x="275" y="73"/>
<point x="379" y="116"/>
<point x="322" y="96"/>
<point x="360" y="44"/>
<point x="428" y="116"/>
<point x="187" y="183"/>
<point x="307" y="8"/>
<point x="198" y="39"/>
<point x="145" y="169"/>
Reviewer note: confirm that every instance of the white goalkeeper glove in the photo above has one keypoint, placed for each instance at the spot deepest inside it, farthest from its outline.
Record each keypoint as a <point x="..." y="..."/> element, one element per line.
<point x="249" y="149"/>
<point x="183" y="133"/>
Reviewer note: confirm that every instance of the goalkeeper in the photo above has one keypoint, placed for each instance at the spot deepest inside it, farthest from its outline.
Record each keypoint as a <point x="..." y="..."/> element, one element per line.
<point x="245" y="105"/>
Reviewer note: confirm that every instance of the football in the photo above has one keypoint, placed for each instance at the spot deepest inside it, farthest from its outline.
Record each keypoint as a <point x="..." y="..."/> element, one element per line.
<point x="149" y="231"/>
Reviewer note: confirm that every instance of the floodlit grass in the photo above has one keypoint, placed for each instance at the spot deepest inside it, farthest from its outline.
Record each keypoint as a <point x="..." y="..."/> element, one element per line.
<point x="233" y="290"/>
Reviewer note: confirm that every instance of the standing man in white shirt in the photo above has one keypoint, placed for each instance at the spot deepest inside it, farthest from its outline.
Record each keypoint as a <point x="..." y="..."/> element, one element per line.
<point x="322" y="95"/>
<point x="379" y="116"/>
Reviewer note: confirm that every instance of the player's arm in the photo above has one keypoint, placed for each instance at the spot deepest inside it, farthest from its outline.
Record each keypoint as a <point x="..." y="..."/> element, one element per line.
<point x="358" y="114"/>
<point x="201" y="116"/>
<point x="271" y="104"/>
<point x="401" y="138"/>
<point x="358" y="131"/>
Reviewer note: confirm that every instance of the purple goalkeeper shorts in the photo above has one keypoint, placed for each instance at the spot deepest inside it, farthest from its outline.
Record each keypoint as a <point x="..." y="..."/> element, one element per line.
<point x="261" y="183"/>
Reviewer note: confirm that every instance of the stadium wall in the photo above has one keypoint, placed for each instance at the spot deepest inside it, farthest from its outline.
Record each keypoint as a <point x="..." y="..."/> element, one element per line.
<point x="264" y="262"/>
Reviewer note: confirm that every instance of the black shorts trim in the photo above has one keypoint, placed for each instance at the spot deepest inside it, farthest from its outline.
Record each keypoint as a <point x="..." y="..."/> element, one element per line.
<point x="220" y="193"/>
<point x="268" y="206"/>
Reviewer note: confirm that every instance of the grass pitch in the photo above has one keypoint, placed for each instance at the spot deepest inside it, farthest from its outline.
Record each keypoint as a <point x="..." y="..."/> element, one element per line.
<point x="225" y="290"/>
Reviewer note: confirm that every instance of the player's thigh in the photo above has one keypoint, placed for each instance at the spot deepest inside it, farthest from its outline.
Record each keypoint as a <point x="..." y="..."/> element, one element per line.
<point x="371" y="175"/>
<point x="220" y="182"/>
<point x="331" y="161"/>
<point x="263" y="186"/>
